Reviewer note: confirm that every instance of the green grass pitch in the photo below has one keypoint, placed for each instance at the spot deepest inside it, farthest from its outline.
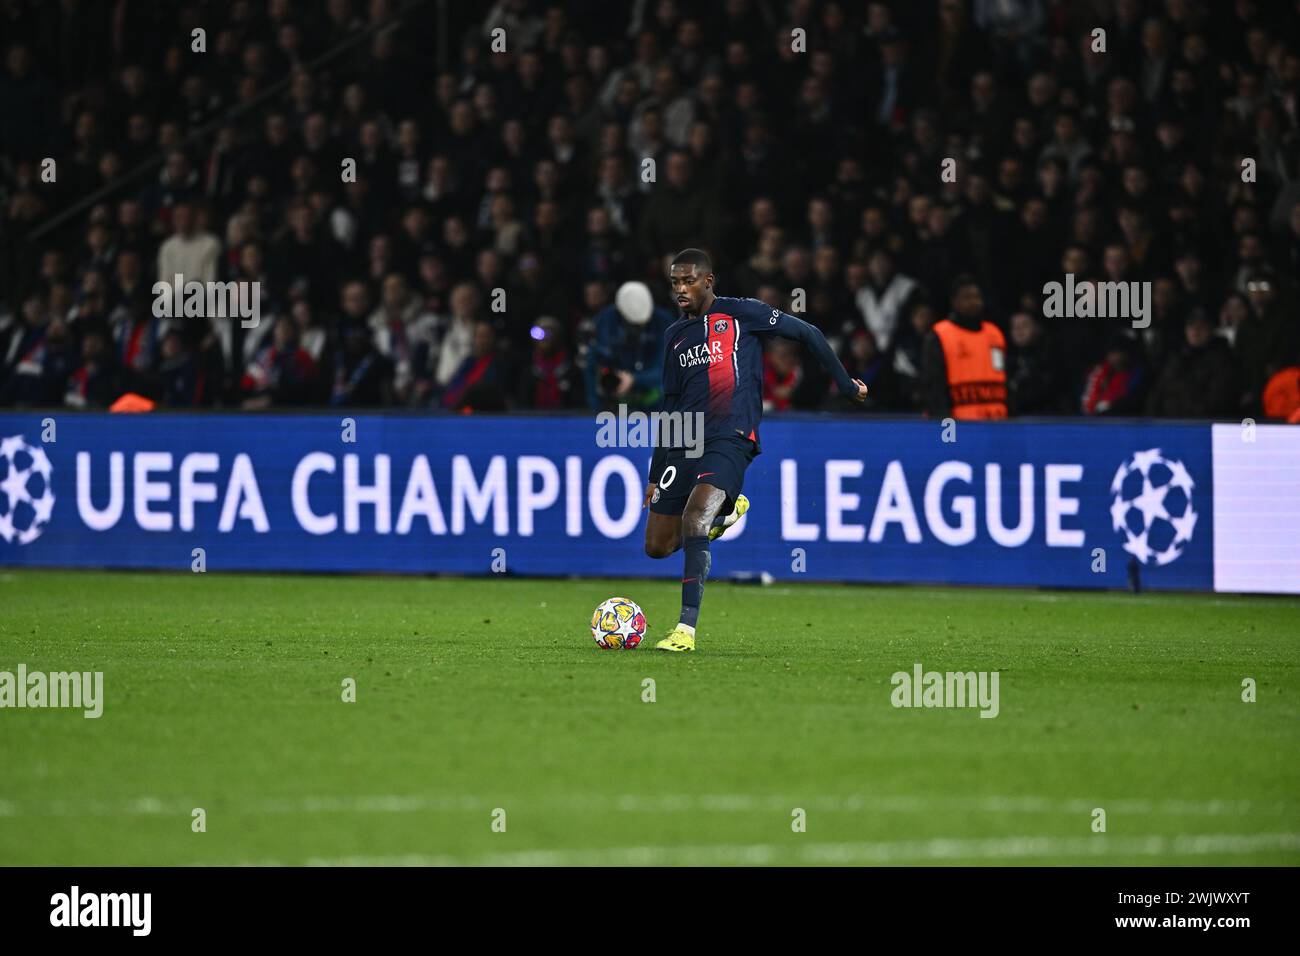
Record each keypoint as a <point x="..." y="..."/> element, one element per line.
<point x="224" y="692"/>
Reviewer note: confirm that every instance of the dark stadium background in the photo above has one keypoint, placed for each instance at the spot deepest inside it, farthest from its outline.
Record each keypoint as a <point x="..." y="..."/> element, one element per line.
<point x="339" y="583"/>
<point x="521" y="171"/>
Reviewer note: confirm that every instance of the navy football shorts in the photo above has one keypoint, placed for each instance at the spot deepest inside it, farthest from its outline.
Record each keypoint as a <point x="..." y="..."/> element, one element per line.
<point x="722" y="465"/>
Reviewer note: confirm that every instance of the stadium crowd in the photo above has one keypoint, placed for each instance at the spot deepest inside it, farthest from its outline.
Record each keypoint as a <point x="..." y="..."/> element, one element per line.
<point x="502" y="197"/>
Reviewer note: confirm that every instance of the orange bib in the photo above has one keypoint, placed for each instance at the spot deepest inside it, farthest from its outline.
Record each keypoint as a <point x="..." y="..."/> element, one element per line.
<point x="977" y="369"/>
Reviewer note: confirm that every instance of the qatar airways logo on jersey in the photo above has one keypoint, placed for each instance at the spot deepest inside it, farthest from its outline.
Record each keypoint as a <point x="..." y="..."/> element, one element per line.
<point x="706" y="353"/>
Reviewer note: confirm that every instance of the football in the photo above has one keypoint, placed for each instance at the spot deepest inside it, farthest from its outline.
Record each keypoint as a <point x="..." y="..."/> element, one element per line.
<point x="618" y="624"/>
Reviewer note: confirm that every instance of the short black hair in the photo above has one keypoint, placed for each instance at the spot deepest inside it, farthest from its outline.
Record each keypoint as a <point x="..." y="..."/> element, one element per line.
<point x="693" y="257"/>
<point x="961" y="282"/>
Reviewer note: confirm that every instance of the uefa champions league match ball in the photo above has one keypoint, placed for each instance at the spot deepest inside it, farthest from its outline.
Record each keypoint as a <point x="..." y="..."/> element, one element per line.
<point x="618" y="624"/>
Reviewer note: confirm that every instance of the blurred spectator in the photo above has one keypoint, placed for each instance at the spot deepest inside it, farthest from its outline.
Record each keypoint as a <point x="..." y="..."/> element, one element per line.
<point x="908" y="351"/>
<point x="95" y="383"/>
<point x="455" y="337"/>
<point x="282" y="373"/>
<point x="1200" y="380"/>
<point x="404" y="335"/>
<point x="39" y="355"/>
<point x="782" y="375"/>
<point x="864" y="360"/>
<point x="479" y="382"/>
<point x="551" y="379"/>
<point x="311" y="336"/>
<point x="184" y="382"/>
<point x="626" y="357"/>
<point x="680" y="214"/>
<point x="1034" y="376"/>
<point x="1268" y="338"/>
<point x="190" y="252"/>
<point x="1116" y="384"/>
<point x="963" y="364"/>
<point x="883" y="299"/>
<point x="512" y="188"/>
<point x="361" y="373"/>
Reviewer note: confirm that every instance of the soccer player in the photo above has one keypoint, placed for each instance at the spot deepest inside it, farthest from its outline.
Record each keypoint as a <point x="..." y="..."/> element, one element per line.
<point x="713" y="365"/>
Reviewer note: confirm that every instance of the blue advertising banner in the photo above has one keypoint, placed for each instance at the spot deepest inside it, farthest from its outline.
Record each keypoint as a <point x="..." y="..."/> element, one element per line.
<point x="839" y="499"/>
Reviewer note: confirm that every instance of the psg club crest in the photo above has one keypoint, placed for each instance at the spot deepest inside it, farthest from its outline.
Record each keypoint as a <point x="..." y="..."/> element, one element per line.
<point x="720" y="326"/>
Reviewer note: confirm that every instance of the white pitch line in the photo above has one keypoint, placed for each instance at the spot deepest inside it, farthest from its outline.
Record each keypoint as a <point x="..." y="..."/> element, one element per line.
<point x="642" y="803"/>
<point x="937" y="850"/>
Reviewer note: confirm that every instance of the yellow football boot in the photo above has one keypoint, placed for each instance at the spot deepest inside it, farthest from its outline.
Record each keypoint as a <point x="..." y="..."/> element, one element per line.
<point x="742" y="505"/>
<point x="679" y="640"/>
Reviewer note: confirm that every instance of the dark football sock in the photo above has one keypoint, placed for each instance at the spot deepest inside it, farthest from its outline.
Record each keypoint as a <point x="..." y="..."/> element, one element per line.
<point x="697" y="569"/>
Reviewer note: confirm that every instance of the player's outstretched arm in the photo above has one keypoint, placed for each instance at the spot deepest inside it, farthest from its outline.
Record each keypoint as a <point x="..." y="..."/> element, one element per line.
<point x="792" y="327"/>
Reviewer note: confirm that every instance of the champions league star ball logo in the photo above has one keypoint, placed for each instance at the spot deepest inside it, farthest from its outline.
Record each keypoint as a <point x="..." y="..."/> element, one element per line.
<point x="1151" y="505"/>
<point x="26" y="498"/>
